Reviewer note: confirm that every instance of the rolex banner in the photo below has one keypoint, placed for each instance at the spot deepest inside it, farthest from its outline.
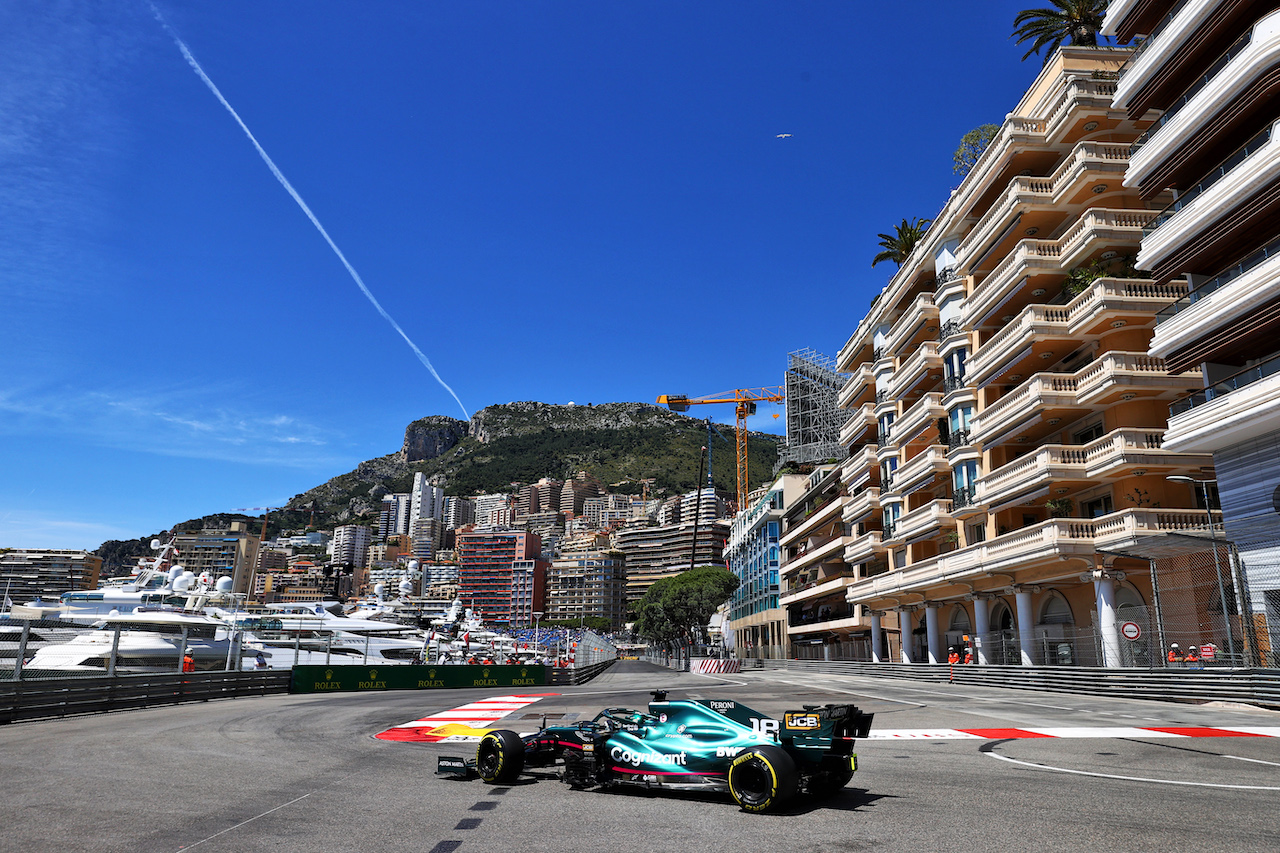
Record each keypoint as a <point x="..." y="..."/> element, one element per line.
<point x="332" y="679"/>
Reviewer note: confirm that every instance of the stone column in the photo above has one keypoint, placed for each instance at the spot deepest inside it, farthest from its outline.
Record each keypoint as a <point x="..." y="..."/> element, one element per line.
<point x="904" y="632"/>
<point x="876" y="636"/>
<point x="1026" y="636"/>
<point x="1104" y="590"/>
<point x="981" y="627"/>
<point x="935" y="639"/>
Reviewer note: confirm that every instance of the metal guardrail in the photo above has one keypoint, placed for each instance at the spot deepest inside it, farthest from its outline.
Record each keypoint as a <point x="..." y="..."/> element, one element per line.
<point x="1212" y="684"/>
<point x="63" y="697"/>
<point x="577" y="674"/>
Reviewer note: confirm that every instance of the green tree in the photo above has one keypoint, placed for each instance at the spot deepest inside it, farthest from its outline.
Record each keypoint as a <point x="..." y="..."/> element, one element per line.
<point x="897" y="247"/>
<point x="1077" y="20"/>
<point x="972" y="144"/>
<point x="678" y="608"/>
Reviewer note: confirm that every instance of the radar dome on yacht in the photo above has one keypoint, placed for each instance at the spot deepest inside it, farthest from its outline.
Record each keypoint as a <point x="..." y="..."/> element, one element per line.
<point x="175" y="572"/>
<point x="182" y="583"/>
<point x="406" y="587"/>
<point x="379" y="590"/>
<point x="414" y="565"/>
<point x="224" y="584"/>
<point x="155" y="545"/>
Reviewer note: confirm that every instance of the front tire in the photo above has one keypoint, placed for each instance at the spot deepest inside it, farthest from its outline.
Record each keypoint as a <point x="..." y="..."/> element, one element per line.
<point x="763" y="778"/>
<point x="500" y="757"/>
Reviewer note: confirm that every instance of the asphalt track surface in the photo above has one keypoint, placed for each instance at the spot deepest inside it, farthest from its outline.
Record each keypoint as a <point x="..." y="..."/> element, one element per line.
<point x="305" y="773"/>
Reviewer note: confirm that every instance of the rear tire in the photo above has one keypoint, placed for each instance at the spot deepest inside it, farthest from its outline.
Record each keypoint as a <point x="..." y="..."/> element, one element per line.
<point x="763" y="778"/>
<point x="500" y="757"/>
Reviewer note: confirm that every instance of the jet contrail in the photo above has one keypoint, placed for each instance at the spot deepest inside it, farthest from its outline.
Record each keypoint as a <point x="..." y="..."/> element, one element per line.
<point x="284" y="182"/>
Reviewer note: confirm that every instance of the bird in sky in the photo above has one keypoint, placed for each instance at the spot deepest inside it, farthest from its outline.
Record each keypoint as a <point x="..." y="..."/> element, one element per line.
<point x="784" y="136"/>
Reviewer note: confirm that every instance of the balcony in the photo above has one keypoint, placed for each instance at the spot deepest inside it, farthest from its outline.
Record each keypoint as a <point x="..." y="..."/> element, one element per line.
<point x="863" y="548"/>
<point x="824" y="514"/>
<point x="1238" y="409"/>
<point x="1047" y="544"/>
<point x="1117" y="375"/>
<point x="833" y="618"/>
<point x="1114" y="455"/>
<point x="922" y="469"/>
<point x="1055" y="191"/>
<point x="1230" y="75"/>
<point x="919" y="312"/>
<point x="1234" y="293"/>
<point x="830" y="551"/>
<point x="816" y="589"/>
<point x="922" y="413"/>
<point x="923" y="521"/>
<point x="913" y="369"/>
<point x="1096" y="226"/>
<point x="1031" y="131"/>
<point x="862" y="506"/>
<point x="859" y="388"/>
<point x="1024" y="404"/>
<point x="857" y="469"/>
<point x="860" y="422"/>
<point x="1215" y="202"/>
<point x="1158" y="46"/>
<point x="1102" y="305"/>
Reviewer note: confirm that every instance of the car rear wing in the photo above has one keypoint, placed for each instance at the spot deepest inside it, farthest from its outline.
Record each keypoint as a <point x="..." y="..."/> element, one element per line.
<point x="826" y="721"/>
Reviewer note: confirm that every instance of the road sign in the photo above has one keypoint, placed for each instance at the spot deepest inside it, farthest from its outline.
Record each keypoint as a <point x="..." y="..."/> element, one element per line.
<point x="1131" y="630"/>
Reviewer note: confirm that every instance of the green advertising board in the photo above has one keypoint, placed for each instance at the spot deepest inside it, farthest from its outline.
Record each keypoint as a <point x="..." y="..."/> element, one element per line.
<point x="334" y="679"/>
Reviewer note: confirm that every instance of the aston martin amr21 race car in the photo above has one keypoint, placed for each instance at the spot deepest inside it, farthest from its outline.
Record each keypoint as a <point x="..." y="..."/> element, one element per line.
<point x="702" y="745"/>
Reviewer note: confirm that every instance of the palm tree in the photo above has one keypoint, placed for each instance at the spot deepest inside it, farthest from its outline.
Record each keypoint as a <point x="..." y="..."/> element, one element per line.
<point x="897" y="247"/>
<point x="1077" y="20"/>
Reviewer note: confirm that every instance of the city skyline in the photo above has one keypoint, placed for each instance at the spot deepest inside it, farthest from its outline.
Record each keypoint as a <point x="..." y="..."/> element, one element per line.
<point x="657" y="182"/>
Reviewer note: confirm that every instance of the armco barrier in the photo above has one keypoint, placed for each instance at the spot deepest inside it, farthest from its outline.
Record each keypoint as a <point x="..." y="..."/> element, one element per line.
<point x="1212" y="684"/>
<point x="62" y="697"/>
<point x="578" y="674"/>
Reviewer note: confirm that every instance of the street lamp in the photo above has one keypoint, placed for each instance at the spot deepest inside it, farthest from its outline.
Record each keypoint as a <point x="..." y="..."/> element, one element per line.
<point x="1213" y="536"/>
<point x="537" y="617"/>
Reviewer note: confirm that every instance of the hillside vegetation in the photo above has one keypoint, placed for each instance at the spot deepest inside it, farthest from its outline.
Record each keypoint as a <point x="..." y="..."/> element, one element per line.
<point x="620" y="444"/>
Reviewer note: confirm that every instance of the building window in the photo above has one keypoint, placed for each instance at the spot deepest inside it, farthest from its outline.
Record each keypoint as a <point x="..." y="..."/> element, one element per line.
<point x="1096" y="507"/>
<point x="1088" y="433"/>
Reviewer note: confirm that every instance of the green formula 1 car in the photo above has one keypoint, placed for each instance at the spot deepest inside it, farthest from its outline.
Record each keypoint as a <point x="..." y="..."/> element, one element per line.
<point x="703" y="745"/>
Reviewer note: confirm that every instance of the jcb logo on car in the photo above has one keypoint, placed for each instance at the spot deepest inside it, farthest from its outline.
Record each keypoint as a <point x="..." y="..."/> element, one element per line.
<point x="802" y="721"/>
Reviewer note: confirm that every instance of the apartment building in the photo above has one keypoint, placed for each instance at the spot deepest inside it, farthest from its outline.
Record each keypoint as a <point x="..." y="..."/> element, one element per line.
<point x="232" y="550"/>
<point x="588" y="584"/>
<point x="1007" y="423"/>
<point x="485" y="575"/>
<point x="350" y="545"/>
<point x="426" y="500"/>
<point x="528" y="591"/>
<point x="459" y="512"/>
<point x="753" y="554"/>
<point x="393" y="516"/>
<point x="655" y="552"/>
<point x="821" y="623"/>
<point x="1206" y="73"/>
<point x="27" y="573"/>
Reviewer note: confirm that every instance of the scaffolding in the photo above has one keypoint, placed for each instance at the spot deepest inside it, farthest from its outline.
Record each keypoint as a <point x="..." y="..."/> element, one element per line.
<point x="813" y="419"/>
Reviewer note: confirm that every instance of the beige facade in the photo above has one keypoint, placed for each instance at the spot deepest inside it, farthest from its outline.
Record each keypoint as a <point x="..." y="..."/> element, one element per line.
<point x="1005" y="419"/>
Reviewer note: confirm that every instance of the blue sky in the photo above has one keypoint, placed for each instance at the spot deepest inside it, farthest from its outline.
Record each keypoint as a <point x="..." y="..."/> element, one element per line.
<point x="557" y="201"/>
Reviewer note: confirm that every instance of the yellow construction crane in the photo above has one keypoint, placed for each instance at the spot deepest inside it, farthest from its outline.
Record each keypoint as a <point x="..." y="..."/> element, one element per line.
<point x="744" y="401"/>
